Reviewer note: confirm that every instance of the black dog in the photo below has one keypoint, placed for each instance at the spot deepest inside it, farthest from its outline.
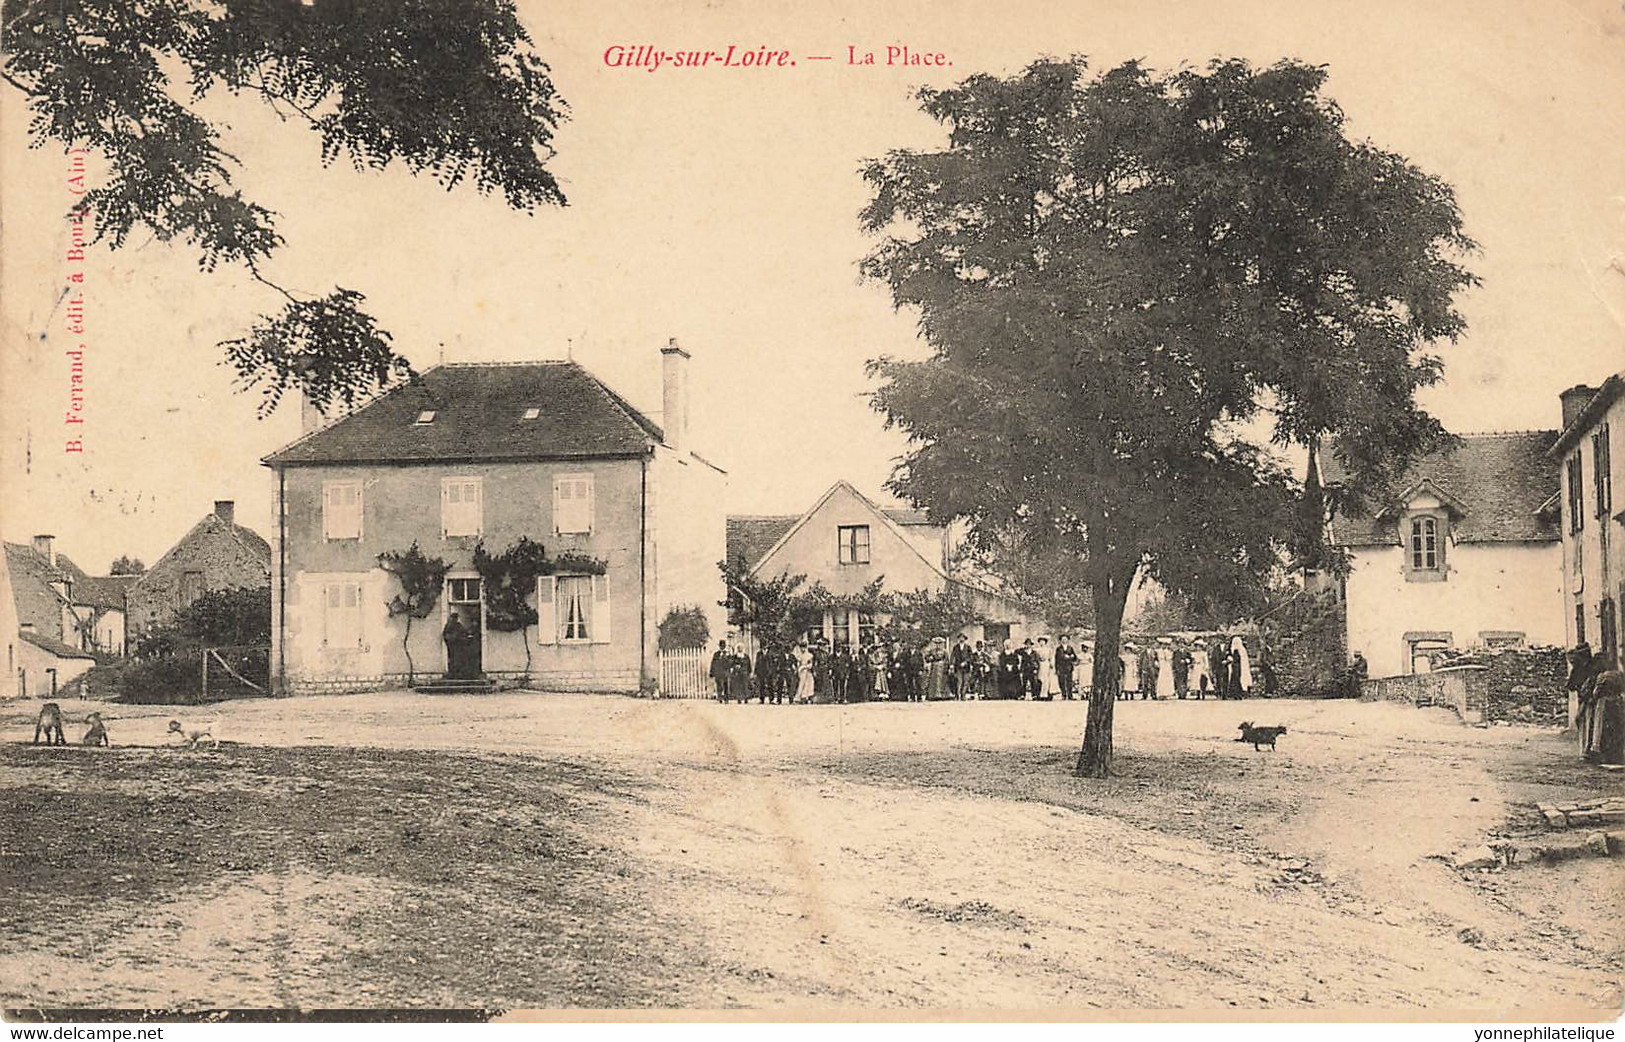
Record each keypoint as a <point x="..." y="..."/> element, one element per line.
<point x="1260" y="736"/>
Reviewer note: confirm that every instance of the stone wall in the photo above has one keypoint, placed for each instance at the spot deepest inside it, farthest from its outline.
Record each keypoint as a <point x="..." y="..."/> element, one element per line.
<point x="1486" y="685"/>
<point x="1519" y="685"/>
<point x="1307" y="639"/>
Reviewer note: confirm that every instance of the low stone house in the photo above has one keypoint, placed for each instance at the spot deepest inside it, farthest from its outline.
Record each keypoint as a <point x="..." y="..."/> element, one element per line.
<point x="216" y="554"/>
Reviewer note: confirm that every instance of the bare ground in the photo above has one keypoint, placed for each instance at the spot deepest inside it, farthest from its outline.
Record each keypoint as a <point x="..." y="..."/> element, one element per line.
<point x="530" y="850"/>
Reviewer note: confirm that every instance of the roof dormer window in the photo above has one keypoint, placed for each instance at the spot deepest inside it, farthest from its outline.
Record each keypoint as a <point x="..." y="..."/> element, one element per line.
<point x="531" y="414"/>
<point x="1426" y="536"/>
<point x="425" y="417"/>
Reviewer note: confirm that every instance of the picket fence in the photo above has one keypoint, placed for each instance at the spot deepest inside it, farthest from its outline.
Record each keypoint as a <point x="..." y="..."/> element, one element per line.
<point x="685" y="673"/>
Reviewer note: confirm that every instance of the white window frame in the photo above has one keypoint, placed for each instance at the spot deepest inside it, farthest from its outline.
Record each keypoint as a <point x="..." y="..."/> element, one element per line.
<point x="552" y="615"/>
<point x="584" y="483"/>
<point x="563" y="602"/>
<point x="330" y="515"/>
<point x="446" y="513"/>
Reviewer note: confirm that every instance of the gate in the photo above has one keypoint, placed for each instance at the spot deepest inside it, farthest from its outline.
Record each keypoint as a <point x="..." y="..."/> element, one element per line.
<point x="685" y="673"/>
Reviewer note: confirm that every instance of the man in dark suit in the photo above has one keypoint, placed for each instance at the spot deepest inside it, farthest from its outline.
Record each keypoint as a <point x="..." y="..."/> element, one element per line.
<point x="767" y="675"/>
<point x="1066" y="665"/>
<point x="961" y="663"/>
<point x="1029" y="670"/>
<point x="721" y="665"/>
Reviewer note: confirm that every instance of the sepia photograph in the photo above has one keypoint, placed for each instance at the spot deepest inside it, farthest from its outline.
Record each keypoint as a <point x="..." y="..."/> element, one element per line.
<point x="834" y="511"/>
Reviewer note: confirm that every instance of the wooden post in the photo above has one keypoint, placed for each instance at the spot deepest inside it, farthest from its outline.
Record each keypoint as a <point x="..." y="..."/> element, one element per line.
<point x="205" y="674"/>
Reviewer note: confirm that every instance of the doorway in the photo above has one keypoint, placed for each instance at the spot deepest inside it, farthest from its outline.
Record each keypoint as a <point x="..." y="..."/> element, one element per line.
<point x="463" y="597"/>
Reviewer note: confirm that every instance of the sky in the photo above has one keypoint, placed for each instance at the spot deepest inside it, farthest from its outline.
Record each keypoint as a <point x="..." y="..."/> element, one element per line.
<point x="719" y="207"/>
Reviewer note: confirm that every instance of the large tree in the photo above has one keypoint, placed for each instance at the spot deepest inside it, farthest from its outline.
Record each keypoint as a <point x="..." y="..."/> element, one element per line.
<point x="1136" y="289"/>
<point x="454" y="90"/>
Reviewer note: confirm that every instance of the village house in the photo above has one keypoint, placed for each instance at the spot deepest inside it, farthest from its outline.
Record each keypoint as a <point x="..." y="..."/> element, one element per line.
<point x="1463" y="551"/>
<point x="217" y="553"/>
<point x="486" y="453"/>
<point x="1593" y="528"/>
<point x="844" y="541"/>
<point x="48" y="637"/>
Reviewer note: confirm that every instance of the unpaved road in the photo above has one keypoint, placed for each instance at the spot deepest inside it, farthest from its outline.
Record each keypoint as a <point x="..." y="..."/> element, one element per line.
<point x="529" y="850"/>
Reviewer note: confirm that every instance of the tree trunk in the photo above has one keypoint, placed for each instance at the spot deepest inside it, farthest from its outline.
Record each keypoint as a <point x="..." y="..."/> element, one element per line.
<point x="1110" y="597"/>
<point x="406" y="646"/>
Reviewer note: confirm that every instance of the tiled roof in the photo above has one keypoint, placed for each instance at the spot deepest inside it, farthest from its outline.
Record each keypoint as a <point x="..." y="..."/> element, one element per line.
<point x="751" y="537"/>
<point x="102" y="591"/>
<point x="31" y="578"/>
<point x="478" y="410"/>
<point x="54" y="646"/>
<point x="1499" y="481"/>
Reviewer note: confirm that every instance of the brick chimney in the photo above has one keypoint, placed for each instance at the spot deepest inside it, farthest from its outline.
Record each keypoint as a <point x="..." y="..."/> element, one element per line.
<point x="226" y="510"/>
<point x="674" y="394"/>
<point x="310" y="417"/>
<point x="45" y="546"/>
<point x="1574" y="400"/>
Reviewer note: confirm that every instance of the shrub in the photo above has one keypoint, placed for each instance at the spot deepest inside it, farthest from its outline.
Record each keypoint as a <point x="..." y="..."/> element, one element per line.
<point x="684" y="626"/>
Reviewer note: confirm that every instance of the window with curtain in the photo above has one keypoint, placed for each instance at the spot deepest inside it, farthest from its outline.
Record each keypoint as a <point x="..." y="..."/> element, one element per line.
<point x="574" y="599"/>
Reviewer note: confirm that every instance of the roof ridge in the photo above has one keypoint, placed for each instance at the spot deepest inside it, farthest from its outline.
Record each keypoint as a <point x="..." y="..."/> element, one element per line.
<point x="1506" y="434"/>
<point x="510" y="365"/>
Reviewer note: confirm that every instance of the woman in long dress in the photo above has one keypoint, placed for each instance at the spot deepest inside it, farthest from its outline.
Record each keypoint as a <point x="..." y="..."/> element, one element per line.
<point x="1201" y="672"/>
<point x="1165" y="671"/>
<point x="804" y="674"/>
<point x="1131" y="671"/>
<point x="936" y="670"/>
<point x="878" y="661"/>
<point x="1086" y="670"/>
<point x="1049" y="685"/>
<point x="1244" y="669"/>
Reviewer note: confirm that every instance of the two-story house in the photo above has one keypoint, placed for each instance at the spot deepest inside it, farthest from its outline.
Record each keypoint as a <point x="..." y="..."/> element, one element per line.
<point x="484" y="453"/>
<point x="45" y="641"/>
<point x="1593" y="525"/>
<point x="845" y="542"/>
<point x="1462" y="551"/>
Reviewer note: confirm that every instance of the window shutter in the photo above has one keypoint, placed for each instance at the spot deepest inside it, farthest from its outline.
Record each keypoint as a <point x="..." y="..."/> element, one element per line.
<point x="600" y="609"/>
<point x="558" y="489"/>
<point x="445" y="506"/>
<point x="588" y="487"/>
<point x="547" y="616"/>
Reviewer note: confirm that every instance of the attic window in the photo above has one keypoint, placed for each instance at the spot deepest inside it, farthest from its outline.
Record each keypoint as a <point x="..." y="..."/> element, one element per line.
<point x="531" y="414"/>
<point x="426" y="416"/>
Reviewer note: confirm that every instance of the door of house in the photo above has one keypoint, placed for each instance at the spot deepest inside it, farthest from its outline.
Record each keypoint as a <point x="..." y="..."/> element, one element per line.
<point x="463" y="597"/>
<point x="996" y="633"/>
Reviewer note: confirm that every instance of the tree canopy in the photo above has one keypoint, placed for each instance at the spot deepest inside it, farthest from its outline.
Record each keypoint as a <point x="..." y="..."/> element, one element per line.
<point x="453" y="90"/>
<point x="1122" y="278"/>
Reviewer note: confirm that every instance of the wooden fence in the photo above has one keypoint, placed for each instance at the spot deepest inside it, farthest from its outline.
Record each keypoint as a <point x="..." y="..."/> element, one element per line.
<point x="685" y="673"/>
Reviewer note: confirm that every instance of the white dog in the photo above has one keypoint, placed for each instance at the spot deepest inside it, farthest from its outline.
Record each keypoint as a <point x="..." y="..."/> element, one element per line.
<point x="192" y="734"/>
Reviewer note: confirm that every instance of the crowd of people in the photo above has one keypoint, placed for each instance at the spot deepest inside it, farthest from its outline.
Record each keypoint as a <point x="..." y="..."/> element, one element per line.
<point x="933" y="670"/>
